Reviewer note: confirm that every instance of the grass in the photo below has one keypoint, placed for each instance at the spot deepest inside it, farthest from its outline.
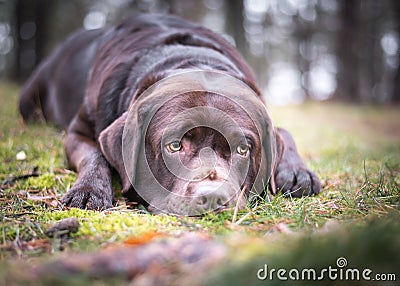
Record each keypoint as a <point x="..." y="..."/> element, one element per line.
<point x="354" y="149"/>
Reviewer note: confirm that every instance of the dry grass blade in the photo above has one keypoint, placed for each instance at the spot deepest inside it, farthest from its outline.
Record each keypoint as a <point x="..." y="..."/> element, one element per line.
<point x="237" y="204"/>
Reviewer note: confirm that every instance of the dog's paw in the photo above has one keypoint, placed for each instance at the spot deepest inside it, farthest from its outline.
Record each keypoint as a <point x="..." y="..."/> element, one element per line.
<point x="297" y="181"/>
<point x="86" y="196"/>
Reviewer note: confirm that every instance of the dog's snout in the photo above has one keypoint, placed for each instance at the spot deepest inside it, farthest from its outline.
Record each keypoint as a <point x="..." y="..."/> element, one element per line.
<point x="208" y="197"/>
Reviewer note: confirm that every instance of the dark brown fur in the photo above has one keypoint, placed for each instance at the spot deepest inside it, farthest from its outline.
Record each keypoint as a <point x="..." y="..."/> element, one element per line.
<point x="87" y="85"/>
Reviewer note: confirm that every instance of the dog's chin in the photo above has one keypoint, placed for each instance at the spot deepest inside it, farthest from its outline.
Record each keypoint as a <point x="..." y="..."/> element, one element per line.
<point x="184" y="207"/>
<point x="200" y="198"/>
<point x="151" y="208"/>
<point x="174" y="206"/>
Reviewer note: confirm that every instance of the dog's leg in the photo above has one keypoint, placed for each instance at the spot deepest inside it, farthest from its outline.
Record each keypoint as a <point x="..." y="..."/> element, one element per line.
<point x="92" y="189"/>
<point x="292" y="177"/>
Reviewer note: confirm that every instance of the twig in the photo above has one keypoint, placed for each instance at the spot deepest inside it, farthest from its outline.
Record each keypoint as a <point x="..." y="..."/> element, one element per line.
<point x="10" y="180"/>
<point x="243" y="218"/>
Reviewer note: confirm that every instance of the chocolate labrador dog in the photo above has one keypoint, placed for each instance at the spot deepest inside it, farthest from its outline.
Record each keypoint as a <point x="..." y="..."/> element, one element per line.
<point x="173" y="108"/>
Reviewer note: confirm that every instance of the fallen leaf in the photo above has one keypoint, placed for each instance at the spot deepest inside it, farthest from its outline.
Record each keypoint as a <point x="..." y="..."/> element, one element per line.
<point x="142" y="239"/>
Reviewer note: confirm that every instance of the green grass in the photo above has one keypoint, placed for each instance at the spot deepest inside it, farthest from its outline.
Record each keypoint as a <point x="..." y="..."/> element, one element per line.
<point x="355" y="151"/>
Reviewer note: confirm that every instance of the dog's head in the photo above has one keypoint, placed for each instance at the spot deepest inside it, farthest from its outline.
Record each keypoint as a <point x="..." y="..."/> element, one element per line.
<point x="192" y="143"/>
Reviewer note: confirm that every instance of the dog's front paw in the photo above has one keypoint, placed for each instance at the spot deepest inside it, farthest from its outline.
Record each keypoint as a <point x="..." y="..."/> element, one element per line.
<point x="84" y="195"/>
<point x="297" y="181"/>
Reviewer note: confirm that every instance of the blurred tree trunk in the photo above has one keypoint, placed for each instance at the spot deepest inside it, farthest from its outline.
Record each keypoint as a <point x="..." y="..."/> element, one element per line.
<point x="234" y="24"/>
<point x="348" y="51"/>
<point x="302" y="34"/>
<point x="371" y="65"/>
<point x="31" y="27"/>
<point x="396" y="89"/>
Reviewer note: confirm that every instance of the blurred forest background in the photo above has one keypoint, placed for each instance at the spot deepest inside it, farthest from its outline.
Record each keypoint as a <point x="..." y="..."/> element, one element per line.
<point x="346" y="50"/>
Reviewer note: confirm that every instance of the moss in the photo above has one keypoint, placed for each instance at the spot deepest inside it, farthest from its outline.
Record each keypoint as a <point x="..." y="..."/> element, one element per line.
<point x="45" y="181"/>
<point x="49" y="181"/>
<point x="114" y="223"/>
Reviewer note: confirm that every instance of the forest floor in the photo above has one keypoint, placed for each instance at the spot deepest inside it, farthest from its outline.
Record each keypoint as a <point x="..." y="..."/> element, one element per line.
<point x="353" y="225"/>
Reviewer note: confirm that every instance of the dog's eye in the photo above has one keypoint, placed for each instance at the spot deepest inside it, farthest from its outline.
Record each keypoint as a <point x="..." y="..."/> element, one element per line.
<point x="174" y="146"/>
<point x="242" y="149"/>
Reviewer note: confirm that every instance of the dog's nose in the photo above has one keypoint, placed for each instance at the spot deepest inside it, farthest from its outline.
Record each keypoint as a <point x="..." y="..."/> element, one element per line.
<point x="209" y="198"/>
<point x="213" y="175"/>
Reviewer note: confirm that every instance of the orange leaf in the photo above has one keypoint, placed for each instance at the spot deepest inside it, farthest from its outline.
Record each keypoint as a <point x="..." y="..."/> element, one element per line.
<point x="142" y="239"/>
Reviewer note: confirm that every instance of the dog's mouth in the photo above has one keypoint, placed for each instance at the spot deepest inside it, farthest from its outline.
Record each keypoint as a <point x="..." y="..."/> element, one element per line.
<point x="200" y="197"/>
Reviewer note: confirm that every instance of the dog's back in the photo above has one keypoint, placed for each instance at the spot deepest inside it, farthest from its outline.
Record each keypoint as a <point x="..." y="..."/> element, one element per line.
<point x="56" y="89"/>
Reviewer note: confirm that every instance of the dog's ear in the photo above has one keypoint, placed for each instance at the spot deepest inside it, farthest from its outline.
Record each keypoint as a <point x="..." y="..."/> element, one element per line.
<point x="265" y="177"/>
<point x="122" y="140"/>
<point x="110" y="140"/>
<point x="278" y="146"/>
